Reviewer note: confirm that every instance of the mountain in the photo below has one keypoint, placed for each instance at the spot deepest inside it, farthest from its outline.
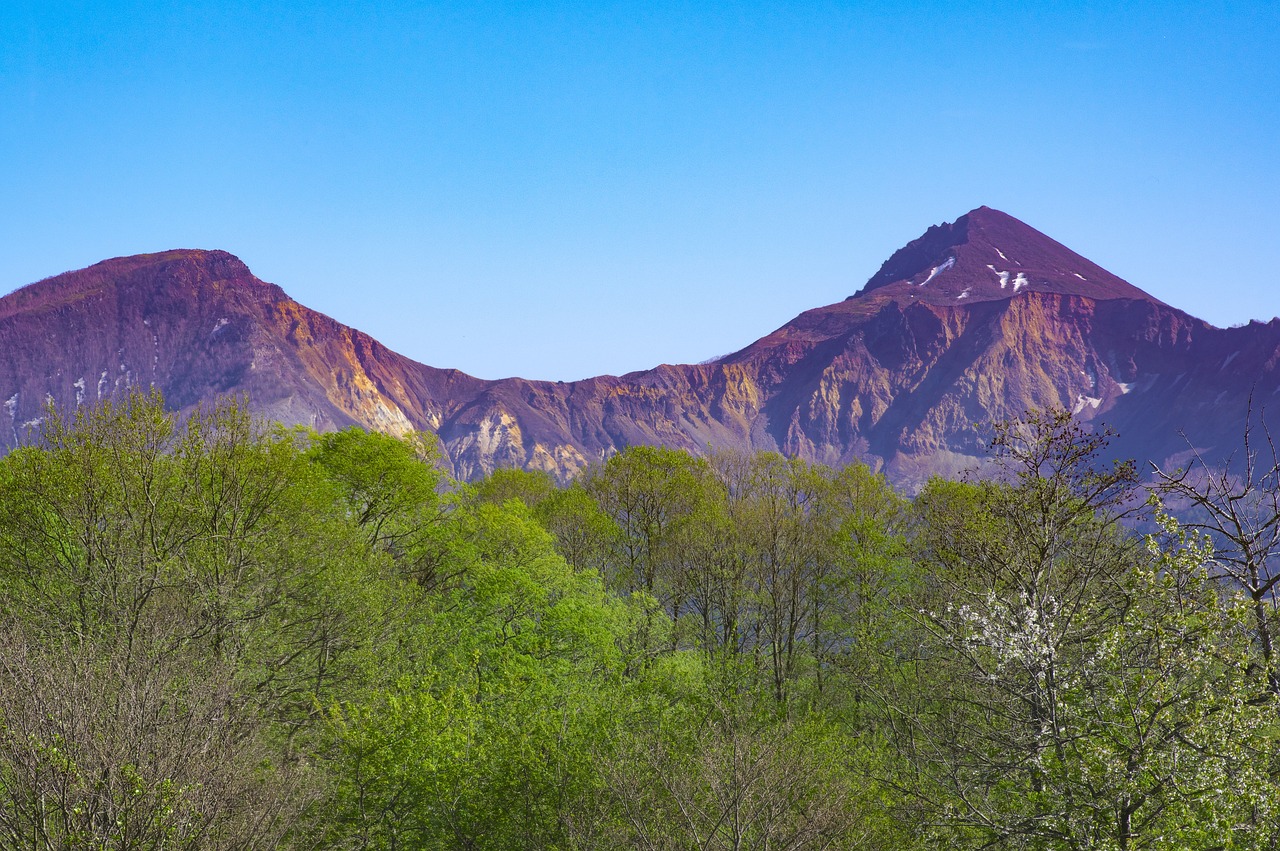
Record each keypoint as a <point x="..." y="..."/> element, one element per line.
<point x="197" y="324"/>
<point x="976" y="320"/>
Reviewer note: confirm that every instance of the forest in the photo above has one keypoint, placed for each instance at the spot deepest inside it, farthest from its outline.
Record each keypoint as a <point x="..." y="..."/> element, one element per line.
<point x="221" y="634"/>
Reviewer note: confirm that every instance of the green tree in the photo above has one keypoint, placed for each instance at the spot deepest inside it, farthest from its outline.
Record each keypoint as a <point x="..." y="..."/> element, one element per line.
<point x="853" y="604"/>
<point x="529" y="486"/>
<point x="487" y="744"/>
<point x="653" y="496"/>
<point x="586" y="536"/>
<point x="392" y="489"/>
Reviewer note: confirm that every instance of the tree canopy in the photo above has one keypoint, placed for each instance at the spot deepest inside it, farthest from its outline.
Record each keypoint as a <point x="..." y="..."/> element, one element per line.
<point x="218" y="634"/>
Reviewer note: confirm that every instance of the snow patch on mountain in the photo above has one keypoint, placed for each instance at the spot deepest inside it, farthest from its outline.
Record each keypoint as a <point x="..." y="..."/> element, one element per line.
<point x="947" y="264"/>
<point x="1082" y="400"/>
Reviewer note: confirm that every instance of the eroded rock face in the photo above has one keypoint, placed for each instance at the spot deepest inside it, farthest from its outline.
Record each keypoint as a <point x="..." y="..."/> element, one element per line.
<point x="975" y="321"/>
<point x="197" y="324"/>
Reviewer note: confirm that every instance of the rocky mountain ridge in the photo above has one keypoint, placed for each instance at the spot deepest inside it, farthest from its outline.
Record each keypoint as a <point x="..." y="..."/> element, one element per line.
<point x="976" y="320"/>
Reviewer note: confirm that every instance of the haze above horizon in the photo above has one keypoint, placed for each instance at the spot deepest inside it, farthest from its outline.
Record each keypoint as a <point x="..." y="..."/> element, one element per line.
<point x="582" y="190"/>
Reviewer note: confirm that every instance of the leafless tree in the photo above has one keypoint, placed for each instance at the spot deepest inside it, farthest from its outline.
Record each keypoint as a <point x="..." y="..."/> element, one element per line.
<point x="1237" y="503"/>
<point x="733" y="782"/>
<point x="121" y="748"/>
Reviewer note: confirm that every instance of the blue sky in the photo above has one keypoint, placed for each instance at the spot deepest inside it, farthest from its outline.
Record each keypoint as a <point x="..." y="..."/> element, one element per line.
<point x="562" y="190"/>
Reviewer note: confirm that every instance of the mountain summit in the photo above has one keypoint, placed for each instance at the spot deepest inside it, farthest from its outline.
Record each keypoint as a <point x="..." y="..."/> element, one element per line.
<point x="974" y="321"/>
<point x="986" y="254"/>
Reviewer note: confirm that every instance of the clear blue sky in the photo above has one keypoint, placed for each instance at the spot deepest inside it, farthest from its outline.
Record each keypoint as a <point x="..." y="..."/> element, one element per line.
<point x="561" y="190"/>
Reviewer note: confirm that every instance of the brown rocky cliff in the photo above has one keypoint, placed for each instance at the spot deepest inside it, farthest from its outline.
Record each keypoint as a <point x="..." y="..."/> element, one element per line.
<point x="197" y="324"/>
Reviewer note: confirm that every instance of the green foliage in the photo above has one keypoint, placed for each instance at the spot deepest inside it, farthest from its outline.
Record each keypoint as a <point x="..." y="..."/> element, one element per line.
<point x="584" y="534"/>
<point x="214" y="635"/>
<point x="489" y="746"/>
<point x="169" y="586"/>
<point x="391" y="489"/>
<point x="529" y="486"/>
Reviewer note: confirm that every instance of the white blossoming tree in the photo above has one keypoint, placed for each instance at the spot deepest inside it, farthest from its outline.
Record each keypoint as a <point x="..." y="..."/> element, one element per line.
<point x="1081" y="690"/>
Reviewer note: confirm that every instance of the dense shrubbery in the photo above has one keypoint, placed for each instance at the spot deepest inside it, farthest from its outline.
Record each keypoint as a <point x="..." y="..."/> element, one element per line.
<point x="218" y="636"/>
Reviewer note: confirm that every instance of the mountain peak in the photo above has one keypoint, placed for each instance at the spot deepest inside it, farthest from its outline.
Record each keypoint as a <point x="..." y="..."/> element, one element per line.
<point x="987" y="255"/>
<point x="179" y="266"/>
<point x="182" y="267"/>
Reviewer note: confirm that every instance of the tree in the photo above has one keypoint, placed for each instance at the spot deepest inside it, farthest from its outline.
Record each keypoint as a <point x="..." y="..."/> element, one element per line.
<point x="709" y="764"/>
<point x="88" y="532"/>
<point x="107" y="746"/>
<point x="1238" y="505"/>
<point x="1074" y="689"/>
<point x="586" y="536"/>
<point x="787" y="557"/>
<point x="852" y="606"/>
<point x="179" y="597"/>
<point x="653" y="496"/>
<point x="392" y="488"/>
<point x="485" y="742"/>
<point x="529" y="486"/>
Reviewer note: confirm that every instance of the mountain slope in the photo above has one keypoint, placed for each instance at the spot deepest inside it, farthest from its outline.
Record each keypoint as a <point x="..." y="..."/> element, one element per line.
<point x="976" y="320"/>
<point x="196" y="324"/>
<point x="983" y="319"/>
